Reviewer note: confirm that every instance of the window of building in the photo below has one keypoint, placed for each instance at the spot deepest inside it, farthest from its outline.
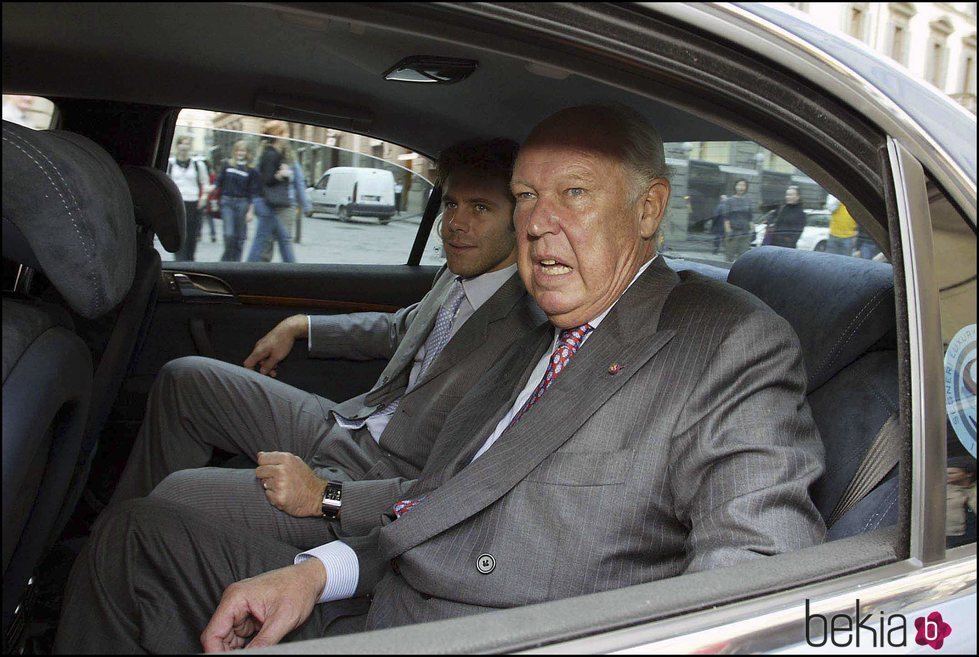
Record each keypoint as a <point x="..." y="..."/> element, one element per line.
<point x="936" y="62"/>
<point x="714" y="151"/>
<point x="900" y="34"/>
<point x="968" y="74"/>
<point x="857" y="20"/>
<point x="351" y="200"/>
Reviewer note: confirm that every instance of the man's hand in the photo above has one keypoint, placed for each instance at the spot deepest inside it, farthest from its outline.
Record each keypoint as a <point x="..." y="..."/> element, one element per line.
<point x="276" y="345"/>
<point x="290" y="485"/>
<point x="272" y="604"/>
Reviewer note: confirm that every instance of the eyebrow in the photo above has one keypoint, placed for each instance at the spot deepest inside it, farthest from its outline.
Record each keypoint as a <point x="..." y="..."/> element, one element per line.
<point x="574" y="174"/>
<point x="475" y="199"/>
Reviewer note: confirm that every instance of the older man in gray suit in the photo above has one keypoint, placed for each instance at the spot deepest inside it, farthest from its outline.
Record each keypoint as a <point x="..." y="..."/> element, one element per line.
<point x="657" y="427"/>
<point x="365" y="449"/>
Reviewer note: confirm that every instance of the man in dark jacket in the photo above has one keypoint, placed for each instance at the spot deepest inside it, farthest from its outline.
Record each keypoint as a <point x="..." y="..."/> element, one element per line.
<point x="789" y="221"/>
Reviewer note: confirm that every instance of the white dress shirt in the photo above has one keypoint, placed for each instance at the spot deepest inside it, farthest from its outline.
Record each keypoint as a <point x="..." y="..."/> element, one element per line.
<point x="340" y="560"/>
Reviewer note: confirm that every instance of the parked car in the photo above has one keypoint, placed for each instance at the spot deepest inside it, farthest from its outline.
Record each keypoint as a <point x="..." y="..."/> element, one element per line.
<point x="346" y="192"/>
<point x="813" y="237"/>
<point x="897" y="152"/>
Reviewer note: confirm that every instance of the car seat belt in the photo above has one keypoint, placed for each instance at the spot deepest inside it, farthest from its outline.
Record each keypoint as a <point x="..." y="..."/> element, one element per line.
<point x="883" y="454"/>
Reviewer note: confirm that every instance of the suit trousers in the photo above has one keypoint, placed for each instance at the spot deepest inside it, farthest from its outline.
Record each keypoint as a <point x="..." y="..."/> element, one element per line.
<point x="153" y="573"/>
<point x="198" y="404"/>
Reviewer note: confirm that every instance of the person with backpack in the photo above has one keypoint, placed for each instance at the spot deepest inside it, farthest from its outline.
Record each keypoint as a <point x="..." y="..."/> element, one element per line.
<point x="190" y="176"/>
<point x="275" y="203"/>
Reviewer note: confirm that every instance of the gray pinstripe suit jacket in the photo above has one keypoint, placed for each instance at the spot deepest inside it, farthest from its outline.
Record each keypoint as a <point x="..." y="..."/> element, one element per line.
<point x="697" y="454"/>
<point x="377" y="474"/>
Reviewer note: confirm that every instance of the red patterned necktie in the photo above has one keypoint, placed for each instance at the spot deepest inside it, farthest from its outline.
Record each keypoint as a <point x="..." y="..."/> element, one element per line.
<point x="569" y="342"/>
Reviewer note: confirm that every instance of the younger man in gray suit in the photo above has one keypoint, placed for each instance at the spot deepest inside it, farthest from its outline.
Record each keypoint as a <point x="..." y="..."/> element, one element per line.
<point x="657" y="427"/>
<point x="477" y="307"/>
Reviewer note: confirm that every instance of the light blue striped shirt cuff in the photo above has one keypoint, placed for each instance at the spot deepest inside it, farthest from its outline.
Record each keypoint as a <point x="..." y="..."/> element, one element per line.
<point x="342" y="569"/>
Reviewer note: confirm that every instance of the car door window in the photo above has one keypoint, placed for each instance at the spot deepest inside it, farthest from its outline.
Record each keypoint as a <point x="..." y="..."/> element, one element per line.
<point x="32" y="112"/>
<point x="360" y="200"/>
<point x="954" y="243"/>
<point x="705" y="177"/>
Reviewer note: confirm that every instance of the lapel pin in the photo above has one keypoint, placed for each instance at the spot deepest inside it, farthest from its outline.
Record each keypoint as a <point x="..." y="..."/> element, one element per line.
<point x="614" y="369"/>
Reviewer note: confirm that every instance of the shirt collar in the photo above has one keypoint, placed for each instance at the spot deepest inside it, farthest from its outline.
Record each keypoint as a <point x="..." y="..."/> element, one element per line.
<point x="479" y="289"/>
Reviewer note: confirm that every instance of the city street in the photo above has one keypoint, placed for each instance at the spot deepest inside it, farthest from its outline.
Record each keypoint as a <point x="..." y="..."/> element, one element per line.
<point x="361" y="241"/>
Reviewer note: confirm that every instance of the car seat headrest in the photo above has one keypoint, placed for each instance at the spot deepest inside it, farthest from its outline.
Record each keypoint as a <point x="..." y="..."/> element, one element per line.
<point x="839" y="306"/>
<point x="68" y="213"/>
<point x="157" y="204"/>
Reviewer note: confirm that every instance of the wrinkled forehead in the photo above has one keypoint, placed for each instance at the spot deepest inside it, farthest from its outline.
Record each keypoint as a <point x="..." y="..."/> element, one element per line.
<point x="585" y="135"/>
<point x="548" y="161"/>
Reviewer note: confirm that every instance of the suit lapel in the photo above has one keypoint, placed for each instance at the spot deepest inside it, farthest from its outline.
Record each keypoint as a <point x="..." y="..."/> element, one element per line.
<point x="417" y="333"/>
<point x="476" y="416"/>
<point x="628" y="337"/>
<point x="473" y="333"/>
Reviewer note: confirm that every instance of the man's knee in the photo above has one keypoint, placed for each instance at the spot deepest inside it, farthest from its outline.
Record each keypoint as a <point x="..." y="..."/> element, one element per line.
<point x="126" y="521"/>
<point x="187" y="366"/>
<point x="206" y="488"/>
<point x="176" y="487"/>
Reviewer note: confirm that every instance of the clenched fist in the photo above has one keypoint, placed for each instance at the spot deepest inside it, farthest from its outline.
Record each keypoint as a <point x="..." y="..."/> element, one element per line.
<point x="276" y="344"/>
<point x="290" y="485"/>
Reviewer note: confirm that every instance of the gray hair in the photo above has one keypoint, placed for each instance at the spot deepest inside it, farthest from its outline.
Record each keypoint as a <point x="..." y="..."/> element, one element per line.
<point x="642" y="147"/>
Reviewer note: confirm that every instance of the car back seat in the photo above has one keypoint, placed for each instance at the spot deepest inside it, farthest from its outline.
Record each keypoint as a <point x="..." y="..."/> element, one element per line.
<point x="842" y="309"/>
<point x="67" y="215"/>
<point x="115" y="337"/>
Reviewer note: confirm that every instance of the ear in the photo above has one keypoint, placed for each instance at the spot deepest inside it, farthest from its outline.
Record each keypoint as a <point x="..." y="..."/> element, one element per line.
<point x="655" y="202"/>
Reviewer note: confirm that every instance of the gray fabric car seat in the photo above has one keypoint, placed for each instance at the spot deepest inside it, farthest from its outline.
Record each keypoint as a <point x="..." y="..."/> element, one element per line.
<point x="842" y="309"/>
<point x="115" y="338"/>
<point x="67" y="215"/>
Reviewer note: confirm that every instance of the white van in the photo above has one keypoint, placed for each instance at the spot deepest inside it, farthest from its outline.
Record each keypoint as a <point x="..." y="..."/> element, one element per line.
<point x="346" y="192"/>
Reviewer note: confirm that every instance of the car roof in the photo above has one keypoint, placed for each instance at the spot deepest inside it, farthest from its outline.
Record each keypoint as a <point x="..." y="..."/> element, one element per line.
<point x="296" y="64"/>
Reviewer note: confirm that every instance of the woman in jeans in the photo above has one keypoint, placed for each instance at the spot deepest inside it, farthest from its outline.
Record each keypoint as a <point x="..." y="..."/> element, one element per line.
<point x="274" y="205"/>
<point x="239" y="183"/>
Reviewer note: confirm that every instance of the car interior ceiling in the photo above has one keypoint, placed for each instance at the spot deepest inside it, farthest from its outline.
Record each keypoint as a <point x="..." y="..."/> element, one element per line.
<point x="307" y="58"/>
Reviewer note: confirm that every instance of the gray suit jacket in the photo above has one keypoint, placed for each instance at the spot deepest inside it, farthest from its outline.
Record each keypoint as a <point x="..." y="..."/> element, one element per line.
<point x="376" y="475"/>
<point x="697" y="452"/>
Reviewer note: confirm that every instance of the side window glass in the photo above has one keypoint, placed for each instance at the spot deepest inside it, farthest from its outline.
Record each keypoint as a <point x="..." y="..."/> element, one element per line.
<point x="729" y="197"/>
<point x="955" y="268"/>
<point x="272" y="191"/>
<point x="30" y="111"/>
<point x="434" y="253"/>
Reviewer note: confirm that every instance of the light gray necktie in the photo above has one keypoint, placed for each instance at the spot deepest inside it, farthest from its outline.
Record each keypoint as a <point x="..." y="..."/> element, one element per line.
<point x="437" y="339"/>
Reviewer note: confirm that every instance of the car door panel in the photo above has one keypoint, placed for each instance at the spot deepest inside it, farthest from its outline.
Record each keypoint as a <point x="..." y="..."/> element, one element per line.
<point x="221" y="309"/>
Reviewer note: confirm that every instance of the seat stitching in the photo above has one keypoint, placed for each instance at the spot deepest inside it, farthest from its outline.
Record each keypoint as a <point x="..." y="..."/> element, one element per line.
<point x="89" y="249"/>
<point x="881" y="517"/>
<point x="851" y="329"/>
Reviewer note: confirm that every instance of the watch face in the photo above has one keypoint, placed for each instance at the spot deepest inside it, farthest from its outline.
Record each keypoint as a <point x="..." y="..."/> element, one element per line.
<point x="331" y="500"/>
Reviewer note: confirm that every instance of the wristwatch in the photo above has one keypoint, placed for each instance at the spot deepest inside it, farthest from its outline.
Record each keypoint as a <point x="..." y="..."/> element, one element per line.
<point x="331" y="500"/>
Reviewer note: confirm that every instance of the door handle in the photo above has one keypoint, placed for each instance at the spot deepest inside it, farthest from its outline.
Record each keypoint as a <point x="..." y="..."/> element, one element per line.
<point x="190" y="286"/>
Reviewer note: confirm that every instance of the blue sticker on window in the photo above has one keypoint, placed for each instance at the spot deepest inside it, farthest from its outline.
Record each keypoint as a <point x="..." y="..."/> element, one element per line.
<point x="960" y="386"/>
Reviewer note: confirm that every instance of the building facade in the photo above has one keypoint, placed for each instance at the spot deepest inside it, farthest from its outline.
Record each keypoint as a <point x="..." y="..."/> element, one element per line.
<point x="935" y="41"/>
